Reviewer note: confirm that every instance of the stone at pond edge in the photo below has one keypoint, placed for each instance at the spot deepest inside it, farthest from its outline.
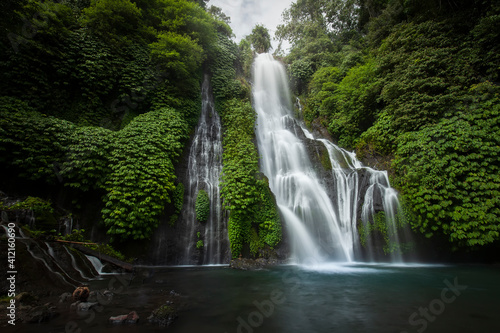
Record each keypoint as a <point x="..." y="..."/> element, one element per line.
<point x="131" y="318"/>
<point x="37" y="314"/>
<point x="81" y="294"/>
<point x="82" y="306"/>
<point x="102" y="297"/>
<point x="66" y="297"/>
<point x="253" y="264"/>
<point x="164" y="316"/>
<point x="26" y="299"/>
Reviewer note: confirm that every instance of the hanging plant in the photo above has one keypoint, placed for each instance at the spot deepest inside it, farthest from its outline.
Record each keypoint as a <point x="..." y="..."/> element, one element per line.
<point x="202" y="206"/>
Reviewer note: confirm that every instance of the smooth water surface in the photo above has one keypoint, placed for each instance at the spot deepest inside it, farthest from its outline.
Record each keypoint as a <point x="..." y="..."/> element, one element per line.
<point x="324" y="298"/>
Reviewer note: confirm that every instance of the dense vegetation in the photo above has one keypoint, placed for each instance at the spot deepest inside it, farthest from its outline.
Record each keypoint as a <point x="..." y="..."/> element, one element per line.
<point x="254" y="224"/>
<point x="100" y="96"/>
<point x="414" y="84"/>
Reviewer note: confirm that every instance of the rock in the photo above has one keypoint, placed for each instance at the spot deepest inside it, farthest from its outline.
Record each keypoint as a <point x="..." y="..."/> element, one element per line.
<point x="131" y="318"/>
<point x="164" y="316"/>
<point x="81" y="294"/>
<point x="84" y="306"/>
<point x="252" y="264"/>
<point x="26" y="299"/>
<point x="66" y="297"/>
<point x="38" y="314"/>
<point x="102" y="297"/>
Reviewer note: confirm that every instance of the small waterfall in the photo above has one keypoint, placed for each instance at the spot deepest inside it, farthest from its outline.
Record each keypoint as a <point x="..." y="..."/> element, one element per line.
<point x="75" y="265"/>
<point x="51" y="265"/>
<point x="204" y="169"/>
<point x="322" y="222"/>
<point x="98" y="265"/>
<point x="50" y="250"/>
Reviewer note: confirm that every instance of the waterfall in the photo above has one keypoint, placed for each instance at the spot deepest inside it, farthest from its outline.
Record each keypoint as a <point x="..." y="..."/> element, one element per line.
<point x="321" y="221"/>
<point x="204" y="169"/>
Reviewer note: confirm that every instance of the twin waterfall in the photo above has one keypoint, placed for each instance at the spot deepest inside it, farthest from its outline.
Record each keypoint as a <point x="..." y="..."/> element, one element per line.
<point x="321" y="221"/>
<point x="338" y="210"/>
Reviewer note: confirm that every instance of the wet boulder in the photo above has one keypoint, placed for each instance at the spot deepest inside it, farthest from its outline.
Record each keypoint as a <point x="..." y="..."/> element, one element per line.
<point x="131" y="318"/>
<point x="81" y="294"/>
<point x="37" y="314"/>
<point x="164" y="316"/>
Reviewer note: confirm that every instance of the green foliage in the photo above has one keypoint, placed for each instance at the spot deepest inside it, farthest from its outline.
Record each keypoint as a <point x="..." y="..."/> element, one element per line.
<point x="202" y="206"/>
<point x="260" y="39"/>
<point x="112" y="20"/>
<point x="379" y="225"/>
<point x="133" y="166"/>
<point x="353" y="104"/>
<point x="199" y="244"/>
<point x="245" y="57"/>
<point x="423" y="77"/>
<point x="30" y="142"/>
<point x="239" y="171"/>
<point x="223" y="60"/>
<point x="240" y="157"/>
<point x="36" y="204"/>
<point x="415" y="88"/>
<point x="179" y="55"/>
<point x="449" y="172"/>
<point x="387" y="229"/>
<point x="267" y="216"/>
<point x="254" y="218"/>
<point x="79" y="80"/>
<point x="87" y="161"/>
<point x="107" y="249"/>
<point x="78" y="235"/>
<point x="178" y="202"/>
<point x="142" y="173"/>
<point x="321" y="87"/>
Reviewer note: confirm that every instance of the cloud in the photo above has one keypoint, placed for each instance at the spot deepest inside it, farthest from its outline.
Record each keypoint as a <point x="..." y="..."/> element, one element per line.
<point x="245" y="14"/>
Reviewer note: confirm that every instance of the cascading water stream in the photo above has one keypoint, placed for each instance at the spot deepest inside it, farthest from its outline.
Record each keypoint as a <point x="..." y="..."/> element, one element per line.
<point x="316" y="232"/>
<point x="204" y="169"/>
<point x="322" y="222"/>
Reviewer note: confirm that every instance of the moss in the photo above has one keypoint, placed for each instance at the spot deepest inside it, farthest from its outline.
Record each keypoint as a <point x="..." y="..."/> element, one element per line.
<point x="325" y="160"/>
<point x="164" y="311"/>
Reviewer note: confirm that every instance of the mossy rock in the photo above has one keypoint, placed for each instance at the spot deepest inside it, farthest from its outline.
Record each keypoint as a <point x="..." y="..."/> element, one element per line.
<point x="163" y="316"/>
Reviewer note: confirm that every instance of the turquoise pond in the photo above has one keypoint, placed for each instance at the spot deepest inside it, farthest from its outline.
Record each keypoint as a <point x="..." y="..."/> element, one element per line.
<point x="324" y="298"/>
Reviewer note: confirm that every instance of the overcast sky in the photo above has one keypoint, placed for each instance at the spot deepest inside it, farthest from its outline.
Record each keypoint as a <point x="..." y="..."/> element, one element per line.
<point x="245" y="14"/>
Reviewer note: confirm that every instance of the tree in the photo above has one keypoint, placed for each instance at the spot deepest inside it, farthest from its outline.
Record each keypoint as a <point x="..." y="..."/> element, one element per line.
<point x="112" y="20"/>
<point x="260" y="39"/>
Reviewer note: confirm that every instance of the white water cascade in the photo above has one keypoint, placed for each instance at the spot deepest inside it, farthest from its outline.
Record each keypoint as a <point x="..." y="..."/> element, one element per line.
<point x="321" y="221"/>
<point x="204" y="170"/>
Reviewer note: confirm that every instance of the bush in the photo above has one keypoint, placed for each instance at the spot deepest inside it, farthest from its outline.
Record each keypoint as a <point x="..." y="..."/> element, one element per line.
<point x="449" y="172"/>
<point x="202" y="206"/>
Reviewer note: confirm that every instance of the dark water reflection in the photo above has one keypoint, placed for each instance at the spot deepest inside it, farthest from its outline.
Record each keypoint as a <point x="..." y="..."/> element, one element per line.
<point x="355" y="298"/>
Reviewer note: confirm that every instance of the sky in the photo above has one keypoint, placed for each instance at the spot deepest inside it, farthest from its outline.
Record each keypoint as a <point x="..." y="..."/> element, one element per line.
<point x="245" y="14"/>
